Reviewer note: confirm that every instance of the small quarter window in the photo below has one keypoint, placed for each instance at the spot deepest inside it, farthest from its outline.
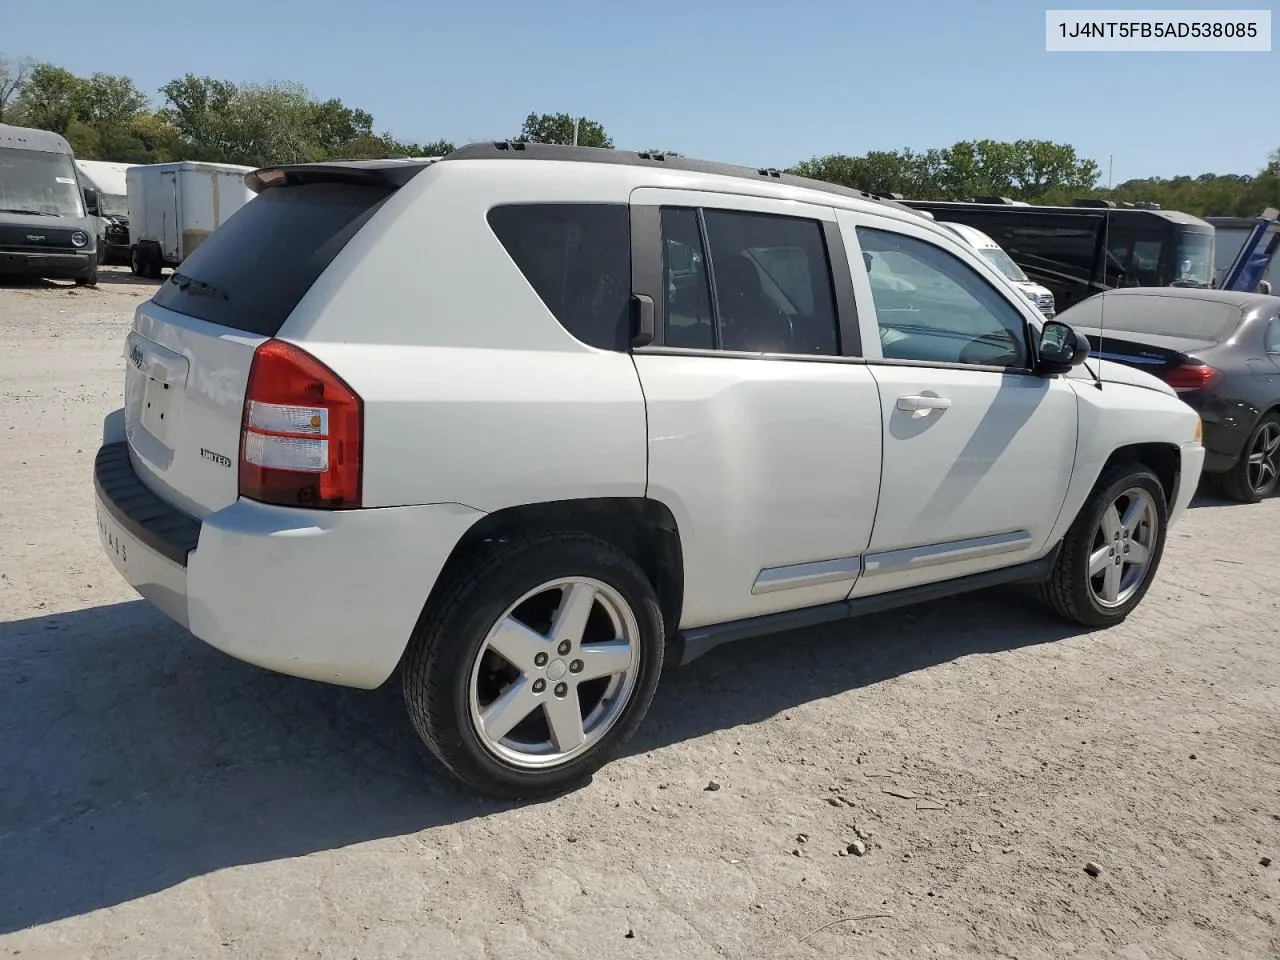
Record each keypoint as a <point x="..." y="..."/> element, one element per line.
<point x="577" y="257"/>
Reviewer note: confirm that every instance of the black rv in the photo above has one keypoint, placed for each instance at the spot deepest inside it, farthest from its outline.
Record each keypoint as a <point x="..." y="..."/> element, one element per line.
<point x="1076" y="253"/>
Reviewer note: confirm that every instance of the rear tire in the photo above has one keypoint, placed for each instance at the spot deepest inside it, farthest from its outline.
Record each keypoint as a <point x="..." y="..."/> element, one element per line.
<point x="1253" y="478"/>
<point x="1084" y="586"/>
<point x="135" y="261"/>
<point x="579" y="692"/>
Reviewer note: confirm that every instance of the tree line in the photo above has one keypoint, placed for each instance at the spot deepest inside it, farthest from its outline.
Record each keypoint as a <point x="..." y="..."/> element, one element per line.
<point x="106" y="117"/>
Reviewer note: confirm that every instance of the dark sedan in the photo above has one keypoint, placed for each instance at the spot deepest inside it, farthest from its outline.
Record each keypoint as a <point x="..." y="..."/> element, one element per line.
<point x="1221" y="351"/>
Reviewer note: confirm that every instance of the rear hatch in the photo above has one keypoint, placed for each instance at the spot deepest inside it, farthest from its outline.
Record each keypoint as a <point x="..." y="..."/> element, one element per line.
<point x="191" y="347"/>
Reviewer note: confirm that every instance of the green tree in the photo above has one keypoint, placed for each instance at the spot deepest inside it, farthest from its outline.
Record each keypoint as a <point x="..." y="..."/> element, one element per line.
<point x="112" y="101"/>
<point x="52" y="97"/>
<point x="558" y="128"/>
<point x="198" y="108"/>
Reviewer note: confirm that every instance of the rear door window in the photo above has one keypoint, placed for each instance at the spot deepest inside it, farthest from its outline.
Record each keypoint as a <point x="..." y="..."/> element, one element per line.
<point x="577" y="258"/>
<point x="251" y="272"/>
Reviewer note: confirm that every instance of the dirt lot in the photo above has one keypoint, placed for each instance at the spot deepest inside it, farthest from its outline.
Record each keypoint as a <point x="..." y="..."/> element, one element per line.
<point x="162" y="800"/>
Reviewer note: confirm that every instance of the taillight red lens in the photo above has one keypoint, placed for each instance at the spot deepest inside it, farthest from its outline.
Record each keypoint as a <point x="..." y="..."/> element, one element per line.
<point x="301" y="432"/>
<point x="1191" y="377"/>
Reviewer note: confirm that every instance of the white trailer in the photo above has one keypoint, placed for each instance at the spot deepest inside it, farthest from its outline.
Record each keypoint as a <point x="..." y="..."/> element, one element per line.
<point x="174" y="206"/>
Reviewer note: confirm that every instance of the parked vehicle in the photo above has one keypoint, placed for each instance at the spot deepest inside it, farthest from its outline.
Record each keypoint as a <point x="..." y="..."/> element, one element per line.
<point x="1245" y="248"/>
<point x="107" y="202"/>
<point x="176" y="206"/>
<point x="1220" y="350"/>
<point x="529" y="421"/>
<point x="44" y="230"/>
<point x="1092" y="245"/>
<point x="1041" y="296"/>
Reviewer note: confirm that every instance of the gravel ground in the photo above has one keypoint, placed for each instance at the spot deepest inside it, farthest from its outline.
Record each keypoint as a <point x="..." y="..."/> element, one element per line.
<point x="162" y="800"/>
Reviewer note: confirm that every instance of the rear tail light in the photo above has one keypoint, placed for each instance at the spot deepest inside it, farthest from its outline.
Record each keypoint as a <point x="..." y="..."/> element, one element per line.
<point x="1191" y="377"/>
<point x="301" y="432"/>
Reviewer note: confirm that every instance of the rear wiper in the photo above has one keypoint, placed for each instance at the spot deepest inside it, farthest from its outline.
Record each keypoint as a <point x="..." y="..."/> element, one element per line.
<point x="196" y="287"/>
<point x="31" y="213"/>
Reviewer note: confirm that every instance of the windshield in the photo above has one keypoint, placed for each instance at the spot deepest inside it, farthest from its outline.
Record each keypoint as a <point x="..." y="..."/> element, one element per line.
<point x="1195" y="259"/>
<point x="113" y="205"/>
<point x="35" y="182"/>
<point x="1002" y="262"/>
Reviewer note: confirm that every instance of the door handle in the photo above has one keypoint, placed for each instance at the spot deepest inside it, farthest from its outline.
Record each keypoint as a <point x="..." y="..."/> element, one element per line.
<point x="923" y="406"/>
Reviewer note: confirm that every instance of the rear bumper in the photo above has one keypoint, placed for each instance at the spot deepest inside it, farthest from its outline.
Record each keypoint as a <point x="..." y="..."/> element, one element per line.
<point x="46" y="264"/>
<point x="326" y="595"/>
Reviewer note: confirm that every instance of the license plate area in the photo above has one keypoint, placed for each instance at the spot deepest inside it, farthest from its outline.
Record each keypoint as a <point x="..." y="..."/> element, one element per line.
<point x="155" y="411"/>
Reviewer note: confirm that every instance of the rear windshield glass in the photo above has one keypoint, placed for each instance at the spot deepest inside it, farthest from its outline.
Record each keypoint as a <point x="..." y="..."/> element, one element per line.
<point x="252" y="271"/>
<point x="1184" y="317"/>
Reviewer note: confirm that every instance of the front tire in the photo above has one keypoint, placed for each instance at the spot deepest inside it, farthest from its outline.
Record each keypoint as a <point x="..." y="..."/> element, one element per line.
<point x="1112" y="551"/>
<point x="535" y="662"/>
<point x="1253" y="478"/>
<point x="90" y="279"/>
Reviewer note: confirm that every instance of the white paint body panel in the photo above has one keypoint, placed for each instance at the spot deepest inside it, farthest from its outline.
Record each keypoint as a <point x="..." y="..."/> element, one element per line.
<point x="763" y="464"/>
<point x="177" y="205"/>
<point x="786" y="477"/>
<point x="998" y="460"/>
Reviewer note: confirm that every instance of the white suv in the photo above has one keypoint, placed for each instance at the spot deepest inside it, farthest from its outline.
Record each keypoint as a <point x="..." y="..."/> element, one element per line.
<point x="528" y="421"/>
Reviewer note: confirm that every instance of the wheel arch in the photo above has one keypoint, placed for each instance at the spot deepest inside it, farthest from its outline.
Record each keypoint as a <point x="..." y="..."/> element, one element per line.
<point x="1162" y="459"/>
<point x="643" y="528"/>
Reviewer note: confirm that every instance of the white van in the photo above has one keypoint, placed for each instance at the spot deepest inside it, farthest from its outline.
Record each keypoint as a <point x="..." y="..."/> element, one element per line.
<point x="107" y="201"/>
<point x="991" y="251"/>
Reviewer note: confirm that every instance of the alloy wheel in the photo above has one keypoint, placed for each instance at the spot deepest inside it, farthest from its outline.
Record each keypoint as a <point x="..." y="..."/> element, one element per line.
<point x="554" y="673"/>
<point x="1264" y="457"/>
<point x="1122" y="547"/>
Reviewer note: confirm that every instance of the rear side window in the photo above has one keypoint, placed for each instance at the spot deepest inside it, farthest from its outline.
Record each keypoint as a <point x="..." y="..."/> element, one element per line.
<point x="252" y="271"/>
<point x="577" y="258"/>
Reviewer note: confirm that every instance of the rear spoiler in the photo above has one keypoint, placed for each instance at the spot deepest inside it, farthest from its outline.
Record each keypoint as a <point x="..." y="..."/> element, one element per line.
<point x="389" y="174"/>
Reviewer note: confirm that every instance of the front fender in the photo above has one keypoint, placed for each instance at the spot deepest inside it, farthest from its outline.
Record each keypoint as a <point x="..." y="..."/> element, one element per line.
<point x="1123" y="415"/>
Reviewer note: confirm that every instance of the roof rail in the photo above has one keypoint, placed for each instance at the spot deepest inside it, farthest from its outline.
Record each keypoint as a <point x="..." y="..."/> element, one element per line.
<point x="518" y="150"/>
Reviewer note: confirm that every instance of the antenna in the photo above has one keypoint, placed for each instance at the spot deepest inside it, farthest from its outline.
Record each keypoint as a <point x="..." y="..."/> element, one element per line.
<point x="1106" y="253"/>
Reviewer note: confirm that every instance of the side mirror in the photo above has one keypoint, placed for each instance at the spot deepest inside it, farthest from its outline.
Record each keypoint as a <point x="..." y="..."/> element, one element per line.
<point x="91" y="205"/>
<point x="1061" y="348"/>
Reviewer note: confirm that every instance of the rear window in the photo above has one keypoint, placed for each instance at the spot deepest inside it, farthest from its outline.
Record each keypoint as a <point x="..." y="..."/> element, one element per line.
<point x="1184" y="317"/>
<point x="252" y="271"/>
<point x="577" y="257"/>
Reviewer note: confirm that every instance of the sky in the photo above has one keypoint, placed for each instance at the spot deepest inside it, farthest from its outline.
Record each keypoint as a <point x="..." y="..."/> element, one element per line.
<point x="750" y="82"/>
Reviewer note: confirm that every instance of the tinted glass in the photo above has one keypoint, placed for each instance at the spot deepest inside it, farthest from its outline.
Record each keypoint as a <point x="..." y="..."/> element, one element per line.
<point x="773" y="290"/>
<point x="932" y="306"/>
<point x="689" y="321"/>
<point x="577" y="256"/>
<point x="251" y="272"/>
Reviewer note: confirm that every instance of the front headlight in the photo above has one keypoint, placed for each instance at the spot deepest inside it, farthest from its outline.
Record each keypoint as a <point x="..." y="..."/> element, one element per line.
<point x="79" y="238"/>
